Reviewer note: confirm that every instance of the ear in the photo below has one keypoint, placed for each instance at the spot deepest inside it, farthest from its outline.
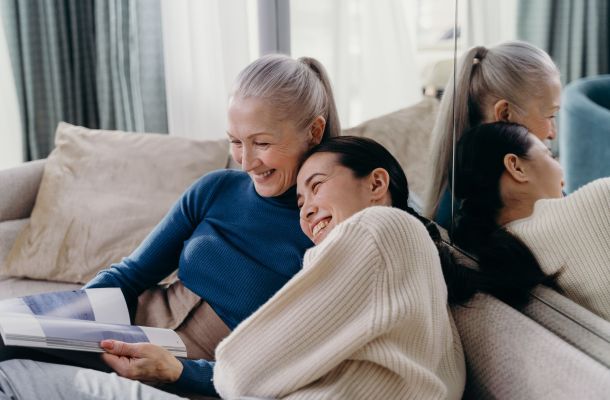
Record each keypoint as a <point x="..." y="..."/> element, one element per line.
<point x="515" y="168"/>
<point x="502" y="111"/>
<point x="379" y="185"/>
<point x="316" y="130"/>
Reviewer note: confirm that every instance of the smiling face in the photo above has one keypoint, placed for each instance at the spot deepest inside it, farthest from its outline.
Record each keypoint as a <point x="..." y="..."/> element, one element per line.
<point x="544" y="171"/>
<point x="329" y="193"/>
<point x="540" y="112"/>
<point x="266" y="146"/>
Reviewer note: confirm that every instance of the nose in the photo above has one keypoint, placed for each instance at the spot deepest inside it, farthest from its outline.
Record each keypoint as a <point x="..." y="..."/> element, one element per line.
<point x="553" y="131"/>
<point x="248" y="159"/>
<point x="307" y="211"/>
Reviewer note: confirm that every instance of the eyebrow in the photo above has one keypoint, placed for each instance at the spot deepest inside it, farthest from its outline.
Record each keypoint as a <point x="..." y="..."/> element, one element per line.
<point x="308" y="180"/>
<point x="252" y="134"/>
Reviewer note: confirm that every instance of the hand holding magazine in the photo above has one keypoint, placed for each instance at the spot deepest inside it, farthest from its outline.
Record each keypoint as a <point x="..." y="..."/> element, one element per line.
<point x="77" y="320"/>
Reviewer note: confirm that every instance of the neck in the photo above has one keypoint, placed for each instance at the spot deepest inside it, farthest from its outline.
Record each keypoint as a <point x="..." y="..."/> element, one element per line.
<point x="515" y="211"/>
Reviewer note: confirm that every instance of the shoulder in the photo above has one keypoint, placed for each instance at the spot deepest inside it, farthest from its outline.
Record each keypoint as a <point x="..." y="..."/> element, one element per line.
<point x="382" y="221"/>
<point x="591" y="199"/>
<point x="219" y="177"/>
<point x="598" y="189"/>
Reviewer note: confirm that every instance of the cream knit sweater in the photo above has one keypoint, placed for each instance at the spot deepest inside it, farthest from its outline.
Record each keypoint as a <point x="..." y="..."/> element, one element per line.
<point x="573" y="233"/>
<point x="366" y="318"/>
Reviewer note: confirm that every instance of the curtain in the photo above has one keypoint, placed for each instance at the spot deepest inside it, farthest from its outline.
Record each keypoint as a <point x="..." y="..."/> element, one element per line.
<point x="368" y="49"/>
<point x="81" y="61"/>
<point x="486" y="23"/>
<point x="574" y="32"/>
<point x="206" y="44"/>
<point x="11" y="146"/>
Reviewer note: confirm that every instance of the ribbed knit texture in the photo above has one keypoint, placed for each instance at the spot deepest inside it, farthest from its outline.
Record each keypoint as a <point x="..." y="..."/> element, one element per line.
<point x="366" y="318"/>
<point x="231" y="246"/>
<point x="572" y="234"/>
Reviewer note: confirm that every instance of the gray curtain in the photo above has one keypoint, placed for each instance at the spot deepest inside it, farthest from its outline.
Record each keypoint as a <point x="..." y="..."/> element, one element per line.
<point x="574" y="32"/>
<point x="95" y="63"/>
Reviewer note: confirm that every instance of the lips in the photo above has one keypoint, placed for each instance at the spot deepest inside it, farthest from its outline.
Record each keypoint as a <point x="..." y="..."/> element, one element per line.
<point x="319" y="226"/>
<point x="263" y="175"/>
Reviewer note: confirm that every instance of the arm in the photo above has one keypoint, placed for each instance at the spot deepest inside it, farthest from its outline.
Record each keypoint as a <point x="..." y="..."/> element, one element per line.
<point x="150" y="363"/>
<point x="311" y="325"/>
<point x="372" y="298"/>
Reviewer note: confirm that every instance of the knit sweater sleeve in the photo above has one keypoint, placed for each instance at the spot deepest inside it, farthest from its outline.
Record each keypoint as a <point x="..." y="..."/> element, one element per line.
<point x="347" y="295"/>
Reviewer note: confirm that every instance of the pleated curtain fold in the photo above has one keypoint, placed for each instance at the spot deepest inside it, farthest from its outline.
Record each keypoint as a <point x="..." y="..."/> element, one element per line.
<point x="82" y="61"/>
<point x="575" y="33"/>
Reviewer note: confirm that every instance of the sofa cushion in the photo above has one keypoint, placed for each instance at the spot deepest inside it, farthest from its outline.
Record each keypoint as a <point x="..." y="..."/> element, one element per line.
<point x="406" y="134"/>
<point x="101" y="193"/>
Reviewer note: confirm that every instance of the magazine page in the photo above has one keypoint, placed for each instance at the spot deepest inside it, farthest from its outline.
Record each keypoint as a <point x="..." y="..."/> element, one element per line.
<point x="29" y="330"/>
<point x="105" y="305"/>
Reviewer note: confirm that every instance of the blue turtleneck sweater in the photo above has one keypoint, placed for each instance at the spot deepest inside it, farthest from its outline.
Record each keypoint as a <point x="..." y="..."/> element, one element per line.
<point x="231" y="246"/>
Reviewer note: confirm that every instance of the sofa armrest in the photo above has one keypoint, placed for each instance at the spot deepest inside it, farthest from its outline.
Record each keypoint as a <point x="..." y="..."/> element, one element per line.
<point x="18" y="189"/>
<point x="8" y="234"/>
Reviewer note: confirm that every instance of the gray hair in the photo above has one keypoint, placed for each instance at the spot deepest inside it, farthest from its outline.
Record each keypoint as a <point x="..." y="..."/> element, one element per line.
<point x="515" y="71"/>
<point x="299" y="89"/>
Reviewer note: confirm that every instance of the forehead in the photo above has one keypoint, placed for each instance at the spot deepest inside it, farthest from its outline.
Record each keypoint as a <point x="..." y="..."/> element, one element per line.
<point x="255" y="115"/>
<point x="322" y="163"/>
<point x="550" y="93"/>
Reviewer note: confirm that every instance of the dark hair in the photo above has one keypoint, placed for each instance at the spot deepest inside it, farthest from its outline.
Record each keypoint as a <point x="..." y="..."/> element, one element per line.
<point x="509" y="270"/>
<point x="363" y="155"/>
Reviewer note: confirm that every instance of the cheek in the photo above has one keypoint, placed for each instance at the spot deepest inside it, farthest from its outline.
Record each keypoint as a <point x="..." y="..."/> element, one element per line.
<point x="304" y="228"/>
<point x="236" y="154"/>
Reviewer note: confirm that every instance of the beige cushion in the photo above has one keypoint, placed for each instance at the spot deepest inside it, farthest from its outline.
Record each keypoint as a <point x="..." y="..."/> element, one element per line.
<point x="406" y="134"/>
<point x="101" y="193"/>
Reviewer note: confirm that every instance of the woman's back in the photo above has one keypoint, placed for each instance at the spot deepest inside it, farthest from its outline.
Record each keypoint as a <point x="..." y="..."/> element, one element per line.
<point x="571" y="236"/>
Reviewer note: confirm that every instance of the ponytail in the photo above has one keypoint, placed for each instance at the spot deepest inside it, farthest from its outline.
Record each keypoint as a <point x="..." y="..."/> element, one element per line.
<point x="454" y="105"/>
<point x="333" y="126"/>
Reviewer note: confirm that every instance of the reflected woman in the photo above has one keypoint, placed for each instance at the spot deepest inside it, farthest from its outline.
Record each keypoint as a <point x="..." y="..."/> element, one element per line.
<point x="367" y="316"/>
<point x="512" y="82"/>
<point x="513" y="216"/>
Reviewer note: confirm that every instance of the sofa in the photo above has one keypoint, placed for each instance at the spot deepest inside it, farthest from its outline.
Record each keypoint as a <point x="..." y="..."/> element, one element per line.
<point x="509" y="354"/>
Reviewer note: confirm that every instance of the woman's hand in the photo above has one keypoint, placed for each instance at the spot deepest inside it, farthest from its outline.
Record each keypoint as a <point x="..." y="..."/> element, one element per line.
<point x="141" y="361"/>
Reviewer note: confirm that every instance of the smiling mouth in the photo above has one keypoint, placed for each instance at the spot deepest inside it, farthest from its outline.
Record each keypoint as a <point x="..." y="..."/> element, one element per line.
<point x="263" y="175"/>
<point x="320" y="226"/>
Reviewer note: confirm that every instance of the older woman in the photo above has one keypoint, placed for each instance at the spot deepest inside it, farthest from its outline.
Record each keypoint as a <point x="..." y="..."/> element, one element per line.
<point x="233" y="235"/>
<point x="525" y="232"/>
<point x="511" y="82"/>
<point x="367" y="317"/>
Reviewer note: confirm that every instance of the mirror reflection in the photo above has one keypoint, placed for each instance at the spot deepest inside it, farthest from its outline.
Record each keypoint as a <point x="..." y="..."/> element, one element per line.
<point x="521" y="164"/>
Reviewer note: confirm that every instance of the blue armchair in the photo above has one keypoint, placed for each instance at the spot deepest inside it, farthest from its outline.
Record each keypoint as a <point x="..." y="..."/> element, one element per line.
<point x="584" y="137"/>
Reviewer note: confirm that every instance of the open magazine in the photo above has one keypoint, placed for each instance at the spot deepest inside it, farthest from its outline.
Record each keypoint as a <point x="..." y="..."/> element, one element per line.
<point x="77" y="320"/>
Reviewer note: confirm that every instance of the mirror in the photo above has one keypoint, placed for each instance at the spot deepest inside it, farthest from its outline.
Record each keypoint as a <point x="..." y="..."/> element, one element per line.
<point x="575" y="35"/>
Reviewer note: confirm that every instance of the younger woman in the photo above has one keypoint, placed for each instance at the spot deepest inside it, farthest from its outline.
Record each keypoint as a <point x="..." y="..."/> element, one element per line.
<point x="367" y="317"/>
<point x="514" y="217"/>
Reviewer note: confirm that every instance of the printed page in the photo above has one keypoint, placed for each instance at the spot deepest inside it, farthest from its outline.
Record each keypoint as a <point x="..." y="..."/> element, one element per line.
<point x="103" y="305"/>
<point x="73" y="334"/>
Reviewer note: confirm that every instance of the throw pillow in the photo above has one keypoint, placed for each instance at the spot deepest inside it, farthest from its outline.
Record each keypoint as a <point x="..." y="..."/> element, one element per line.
<point x="101" y="193"/>
<point x="406" y="133"/>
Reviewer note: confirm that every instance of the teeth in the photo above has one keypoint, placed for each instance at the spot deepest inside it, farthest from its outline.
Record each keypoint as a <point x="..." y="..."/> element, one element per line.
<point x="319" y="226"/>
<point x="264" y="174"/>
